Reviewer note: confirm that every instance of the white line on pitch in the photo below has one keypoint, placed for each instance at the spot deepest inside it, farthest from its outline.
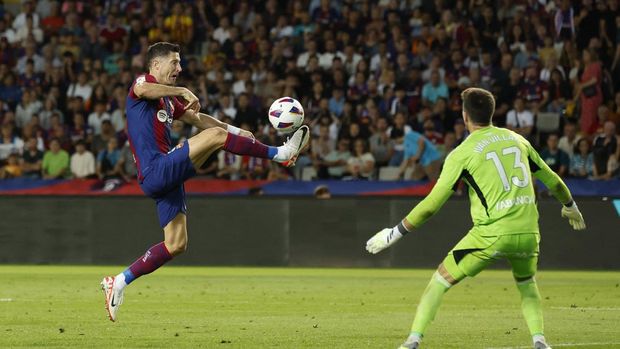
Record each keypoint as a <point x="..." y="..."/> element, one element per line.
<point x="588" y="308"/>
<point x="561" y="345"/>
<point x="6" y="299"/>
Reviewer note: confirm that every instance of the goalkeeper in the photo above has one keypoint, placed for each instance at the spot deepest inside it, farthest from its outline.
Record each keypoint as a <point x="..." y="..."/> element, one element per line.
<point x="496" y="164"/>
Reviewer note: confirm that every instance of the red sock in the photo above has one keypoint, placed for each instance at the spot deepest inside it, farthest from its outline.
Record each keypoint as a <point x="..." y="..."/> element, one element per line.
<point x="248" y="146"/>
<point x="154" y="258"/>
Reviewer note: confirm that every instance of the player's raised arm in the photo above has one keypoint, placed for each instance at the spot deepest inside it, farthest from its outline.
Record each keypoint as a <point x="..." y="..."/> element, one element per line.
<point x="556" y="186"/>
<point x="423" y="211"/>
<point x="151" y="90"/>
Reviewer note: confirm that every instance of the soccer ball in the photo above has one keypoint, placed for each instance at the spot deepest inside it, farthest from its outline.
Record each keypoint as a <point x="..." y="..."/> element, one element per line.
<point x="286" y="114"/>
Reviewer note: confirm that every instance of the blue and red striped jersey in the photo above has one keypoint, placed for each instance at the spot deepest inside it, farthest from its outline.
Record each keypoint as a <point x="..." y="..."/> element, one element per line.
<point x="148" y="125"/>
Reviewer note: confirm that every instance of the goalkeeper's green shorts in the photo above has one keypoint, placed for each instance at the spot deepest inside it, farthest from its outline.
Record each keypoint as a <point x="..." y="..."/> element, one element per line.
<point x="474" y="253"/>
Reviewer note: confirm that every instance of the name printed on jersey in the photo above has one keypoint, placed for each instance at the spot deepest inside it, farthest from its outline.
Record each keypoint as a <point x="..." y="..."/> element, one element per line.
<point x="490" y="140"/>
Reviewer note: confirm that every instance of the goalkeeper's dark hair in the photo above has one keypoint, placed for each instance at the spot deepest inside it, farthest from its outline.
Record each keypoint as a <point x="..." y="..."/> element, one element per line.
<point x="160" y="49"/>
<point x="479" y="104"/>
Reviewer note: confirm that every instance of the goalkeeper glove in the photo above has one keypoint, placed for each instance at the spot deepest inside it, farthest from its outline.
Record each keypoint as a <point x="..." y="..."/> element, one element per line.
<point x="574" y="216"/>
<point x="385" y="238"/>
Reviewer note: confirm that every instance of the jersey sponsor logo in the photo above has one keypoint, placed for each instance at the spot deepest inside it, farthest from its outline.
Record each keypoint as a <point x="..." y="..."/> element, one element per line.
<point x="501" y="254"/>
<point x="519" y="200"/>
<point x="163" y="116"/>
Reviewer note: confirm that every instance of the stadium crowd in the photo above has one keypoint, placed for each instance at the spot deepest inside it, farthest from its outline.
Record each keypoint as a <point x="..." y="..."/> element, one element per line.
<point x="380" y="80"/>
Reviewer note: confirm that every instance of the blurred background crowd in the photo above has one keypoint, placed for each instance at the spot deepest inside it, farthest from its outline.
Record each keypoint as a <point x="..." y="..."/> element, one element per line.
<point x="380" y="81"/>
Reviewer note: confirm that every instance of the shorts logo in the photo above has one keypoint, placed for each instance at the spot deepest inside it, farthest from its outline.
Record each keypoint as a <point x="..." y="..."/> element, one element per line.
<point x="162" y="116"/>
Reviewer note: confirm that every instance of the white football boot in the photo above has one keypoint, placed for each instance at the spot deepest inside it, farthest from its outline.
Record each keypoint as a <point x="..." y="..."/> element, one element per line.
<point x="113" y="297"/>
<point x="290" y="150"/>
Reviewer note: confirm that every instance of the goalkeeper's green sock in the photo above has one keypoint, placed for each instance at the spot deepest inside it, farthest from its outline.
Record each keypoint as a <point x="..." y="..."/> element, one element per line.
<point x="530" y="305"/>
<point x="429" y="304"/>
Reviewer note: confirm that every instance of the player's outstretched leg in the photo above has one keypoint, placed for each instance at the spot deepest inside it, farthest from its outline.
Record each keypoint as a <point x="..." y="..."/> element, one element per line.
<point x="431" y="299"/>
<point x="206" y="142"/>
<point x="175" y="243"/>
<point x="532" y="310"/>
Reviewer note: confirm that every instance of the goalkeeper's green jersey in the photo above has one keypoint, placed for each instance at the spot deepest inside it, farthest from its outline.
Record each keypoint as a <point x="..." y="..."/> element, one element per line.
<point x="497" y="165"/>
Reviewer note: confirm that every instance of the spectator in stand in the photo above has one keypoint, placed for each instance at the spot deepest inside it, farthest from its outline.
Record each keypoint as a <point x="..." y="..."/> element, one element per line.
<point x="381" y="146"/>
<point x="606" y="152"/>
<point x="112" y="33"/>
<point x="422" y="156"/>
<point x="254" y="168"/>
<point x="180" y="26"/>
<point x="588" y="90"/>
<point x="520" y="119"/>
<point x="582" y="160"/>
<point x="564" y="21"/>
<point x="79" y="130"/>
<point x="82" y="162"/>
<point x="29" y="30"/>
<point x="52" y="23"/>
<point x="361" y="164"/>
<point x="55" y="162"/>
<point x="49" y="109"/>
<point x="534" y="91"/>
<point x="559" y="92"/>
<point x="10" y="92"/>
<point x="12" y="169"/>
<point x="81" y="88"/>
<point x="557" y="159"/>
<point x="229" y="166"/>
<point x="109" y="164"/>
<point x="568" y="141"/>
<point x="32" y="160"/>
<point x="431" y="133"/>
<point x="334" y="165"/>
<point x="434" y="89"/>
<point x="323" y="144"/>
<point x="28" y="8"/>
<point x="246" y="114"/>
<point x="10" y="143"/>
<point x="397" y="133"/>
<point x="96" y="118"/>
<point x="28" y="106"/>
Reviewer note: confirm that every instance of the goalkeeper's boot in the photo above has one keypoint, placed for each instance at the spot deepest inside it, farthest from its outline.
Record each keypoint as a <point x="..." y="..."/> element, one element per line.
<point x="293" y="146"/>
<point x="410" y="343"/>
<point x="113" y="296"/>
<point x="541" y="345"/>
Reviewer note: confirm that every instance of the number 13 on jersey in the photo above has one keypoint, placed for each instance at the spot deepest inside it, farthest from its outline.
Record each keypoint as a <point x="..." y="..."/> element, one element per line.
<point x="521" y="183"/>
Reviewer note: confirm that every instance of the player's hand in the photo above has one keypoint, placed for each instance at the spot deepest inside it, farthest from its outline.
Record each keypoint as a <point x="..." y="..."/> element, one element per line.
<point x="382" y="240"/>
<point x="246" y="133"/>
<point x="574" y="217"/>
<point x="191" y="100"/>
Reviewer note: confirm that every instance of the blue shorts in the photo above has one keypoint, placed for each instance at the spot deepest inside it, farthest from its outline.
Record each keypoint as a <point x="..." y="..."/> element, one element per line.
<point x="163" y="181"/>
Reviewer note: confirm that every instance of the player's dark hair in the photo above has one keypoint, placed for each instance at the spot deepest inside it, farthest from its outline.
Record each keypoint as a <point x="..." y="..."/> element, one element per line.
<point x="479" y="105"/>
<point x="160" y="49"/>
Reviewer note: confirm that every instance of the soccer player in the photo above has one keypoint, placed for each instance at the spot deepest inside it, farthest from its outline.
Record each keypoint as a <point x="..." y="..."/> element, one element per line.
<point x="152" y="104"/>
<point x="496" y="164"/>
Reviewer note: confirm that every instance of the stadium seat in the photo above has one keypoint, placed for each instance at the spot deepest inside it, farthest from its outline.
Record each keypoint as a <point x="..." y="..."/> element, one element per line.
<point x="308" y="173"/>
<point x="548" y="122"/>
<point x="388" y="173"/>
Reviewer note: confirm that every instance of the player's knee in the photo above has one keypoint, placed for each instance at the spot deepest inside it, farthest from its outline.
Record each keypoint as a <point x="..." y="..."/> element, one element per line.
<point x="216" y="133"/>
<point x="523" y="279"/>
<point x="445" y="277"/>
<point x="176" y="248"/>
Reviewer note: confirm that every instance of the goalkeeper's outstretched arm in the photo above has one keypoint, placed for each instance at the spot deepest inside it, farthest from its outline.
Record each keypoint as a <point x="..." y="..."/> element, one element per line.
<point x="422" y="212"/>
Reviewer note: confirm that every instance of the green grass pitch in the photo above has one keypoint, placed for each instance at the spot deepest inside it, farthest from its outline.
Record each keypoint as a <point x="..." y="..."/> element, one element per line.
<point x="196" y="307"/>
